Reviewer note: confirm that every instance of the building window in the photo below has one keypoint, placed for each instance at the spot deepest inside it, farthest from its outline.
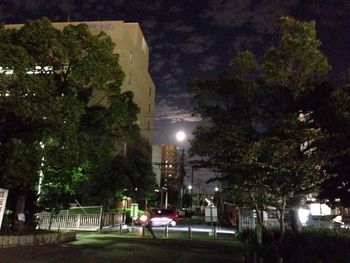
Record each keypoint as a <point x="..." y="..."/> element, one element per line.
<point x="149" y="108"/>
<point x="147" y="125"/>
<point x="130" y="57"/>
<point x="150" y="91"/>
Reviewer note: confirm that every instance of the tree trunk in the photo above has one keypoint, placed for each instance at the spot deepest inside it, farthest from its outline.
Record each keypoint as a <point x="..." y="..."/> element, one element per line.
<point x="281" y="218"/>
<point x="259" y="212"/>
<point x="294" y="217"/>
<point x="19" y="215"/>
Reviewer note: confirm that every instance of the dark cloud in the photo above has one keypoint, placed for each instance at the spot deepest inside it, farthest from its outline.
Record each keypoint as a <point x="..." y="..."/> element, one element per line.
<point x="178" y="26"/>
<point x="149" y="23"/>
<point x="236" y="13"/>
<point x="209" y="63"/>
<point x="157" y="64"/>
<point x="173" y="114"/>
<point x="228" y="13"/>
<point x="196" y="44"/>
<point x="177" y="8"/>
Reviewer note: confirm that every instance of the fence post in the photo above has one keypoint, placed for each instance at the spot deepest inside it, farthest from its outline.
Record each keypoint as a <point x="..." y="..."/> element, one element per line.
<point x="166" y="231"/>
<point x="67" y="219"/>
<point x="100" y="223"/>
<point x="78" y="221"/>
<point x="120" y="229"/>
<point x="189" y="232"/>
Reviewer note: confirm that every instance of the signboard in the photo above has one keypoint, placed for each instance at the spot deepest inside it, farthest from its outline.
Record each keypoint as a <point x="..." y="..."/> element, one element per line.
<point x="3" y="198"/>
<point x="134" y="210"/>
<point x="211" y="214"/>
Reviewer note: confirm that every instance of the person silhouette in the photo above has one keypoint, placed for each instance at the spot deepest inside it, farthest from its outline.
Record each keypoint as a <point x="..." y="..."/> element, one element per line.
<point x="146" y="219"/>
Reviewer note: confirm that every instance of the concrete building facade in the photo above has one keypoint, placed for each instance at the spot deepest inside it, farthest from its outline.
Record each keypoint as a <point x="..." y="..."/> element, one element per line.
<point x="134" y="60"/>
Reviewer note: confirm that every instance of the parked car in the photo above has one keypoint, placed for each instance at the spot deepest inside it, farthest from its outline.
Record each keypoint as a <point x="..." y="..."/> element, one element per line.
<point x="163" y="217"/>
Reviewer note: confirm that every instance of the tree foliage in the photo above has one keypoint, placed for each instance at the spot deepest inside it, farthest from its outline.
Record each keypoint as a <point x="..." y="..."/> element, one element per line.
<point x="258" y="132"/>
<point x="62" y="112"/>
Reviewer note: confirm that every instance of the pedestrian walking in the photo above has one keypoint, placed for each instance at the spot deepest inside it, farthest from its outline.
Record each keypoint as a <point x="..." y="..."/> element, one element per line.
<point x="146" y="220"/>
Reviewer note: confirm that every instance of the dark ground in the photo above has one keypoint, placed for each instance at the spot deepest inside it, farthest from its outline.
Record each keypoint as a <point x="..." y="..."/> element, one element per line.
<point x="108" y="248"/>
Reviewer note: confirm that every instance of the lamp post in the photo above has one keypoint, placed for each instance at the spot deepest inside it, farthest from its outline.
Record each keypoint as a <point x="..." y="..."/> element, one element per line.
<point x="180" y="137"/>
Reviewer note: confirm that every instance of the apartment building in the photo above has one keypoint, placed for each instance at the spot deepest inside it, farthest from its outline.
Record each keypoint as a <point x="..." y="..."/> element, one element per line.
<point x="134" y="60"/>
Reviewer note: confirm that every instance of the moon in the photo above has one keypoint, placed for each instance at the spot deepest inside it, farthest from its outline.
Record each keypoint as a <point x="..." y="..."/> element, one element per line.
<point x="180" y="136"/>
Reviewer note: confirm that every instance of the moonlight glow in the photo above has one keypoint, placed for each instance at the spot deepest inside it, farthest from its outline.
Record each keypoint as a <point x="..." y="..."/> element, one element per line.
<point x="180" y="136"/>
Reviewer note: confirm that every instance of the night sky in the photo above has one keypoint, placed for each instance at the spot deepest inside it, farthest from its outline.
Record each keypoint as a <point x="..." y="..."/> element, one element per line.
<point x="196" y="38"/>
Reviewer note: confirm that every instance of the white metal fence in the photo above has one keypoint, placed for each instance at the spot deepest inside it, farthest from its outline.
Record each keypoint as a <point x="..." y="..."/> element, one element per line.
<point x="84" y="218"/>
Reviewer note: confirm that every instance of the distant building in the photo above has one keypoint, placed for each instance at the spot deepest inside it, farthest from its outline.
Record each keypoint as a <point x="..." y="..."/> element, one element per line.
<point x="170" y="167"/>
<point x="134" y="60"/>
<point x="156" y="162"/>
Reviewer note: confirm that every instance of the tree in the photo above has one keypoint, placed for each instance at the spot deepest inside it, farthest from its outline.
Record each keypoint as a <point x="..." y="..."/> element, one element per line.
<point x="61" y="109"/>
<point x="330" y="108"/>
<point x="255" y="133"/>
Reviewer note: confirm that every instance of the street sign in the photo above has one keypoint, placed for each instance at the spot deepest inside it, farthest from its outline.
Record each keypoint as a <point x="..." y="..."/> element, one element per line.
<point x="3" y="198"/>
<point x="134" y="210"/>
<point x="211" y="214"/>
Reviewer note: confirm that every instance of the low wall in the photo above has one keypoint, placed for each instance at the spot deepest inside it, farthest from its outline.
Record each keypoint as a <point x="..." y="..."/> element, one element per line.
<point x="37" y="239"/>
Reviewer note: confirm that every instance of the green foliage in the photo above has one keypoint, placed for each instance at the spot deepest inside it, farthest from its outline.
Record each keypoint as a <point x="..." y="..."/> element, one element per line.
<point x="295" y="60"/>
<point x="312" y="245"/>
<point x="259" y="133"/>
<point x="61" y="111"/>
<point x="330" y="105"/>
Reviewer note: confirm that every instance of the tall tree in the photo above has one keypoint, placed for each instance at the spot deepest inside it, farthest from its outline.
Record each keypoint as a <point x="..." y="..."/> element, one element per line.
<point x="257" y="132"/>
<point x="330" y="108"/>
<point x="62" y="110"/>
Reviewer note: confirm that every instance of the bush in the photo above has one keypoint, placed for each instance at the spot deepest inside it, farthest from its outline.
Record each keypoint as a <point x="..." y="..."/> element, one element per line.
<point x="315" y="245"/>
<point x="312" y="245"/>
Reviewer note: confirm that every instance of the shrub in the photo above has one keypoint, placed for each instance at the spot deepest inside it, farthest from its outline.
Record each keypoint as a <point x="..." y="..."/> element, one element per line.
<point x="312" y="245"/>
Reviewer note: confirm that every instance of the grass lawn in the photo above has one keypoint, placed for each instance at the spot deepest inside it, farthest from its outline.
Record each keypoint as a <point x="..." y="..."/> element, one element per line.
<point x="111" y="247"/>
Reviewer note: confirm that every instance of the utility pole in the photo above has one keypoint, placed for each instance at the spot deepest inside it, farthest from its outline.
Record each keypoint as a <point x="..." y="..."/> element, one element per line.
<point x="192" y="186"/>
<point x="182" y="176"/>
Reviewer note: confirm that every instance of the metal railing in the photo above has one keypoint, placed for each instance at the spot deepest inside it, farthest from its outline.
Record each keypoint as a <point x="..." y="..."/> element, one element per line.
<point x="85" y="218"/>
